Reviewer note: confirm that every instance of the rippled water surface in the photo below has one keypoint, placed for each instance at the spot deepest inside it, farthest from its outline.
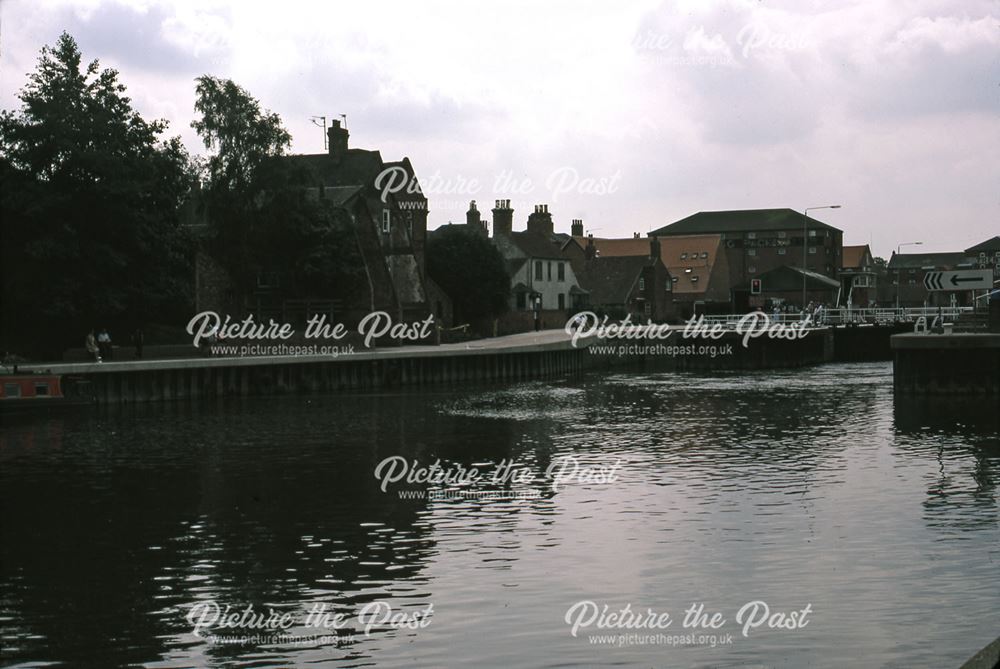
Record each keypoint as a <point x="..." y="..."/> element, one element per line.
<point x="808" y="487"/>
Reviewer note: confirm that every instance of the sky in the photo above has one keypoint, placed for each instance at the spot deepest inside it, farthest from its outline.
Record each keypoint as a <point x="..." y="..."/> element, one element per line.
<point x="629" y="115"/>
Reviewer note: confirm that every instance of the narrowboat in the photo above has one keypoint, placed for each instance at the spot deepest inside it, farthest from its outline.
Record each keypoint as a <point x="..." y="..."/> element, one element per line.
<point x="28" y="390"/>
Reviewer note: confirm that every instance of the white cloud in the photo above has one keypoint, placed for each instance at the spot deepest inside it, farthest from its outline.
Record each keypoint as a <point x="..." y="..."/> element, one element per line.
<point x="885" y="107"/>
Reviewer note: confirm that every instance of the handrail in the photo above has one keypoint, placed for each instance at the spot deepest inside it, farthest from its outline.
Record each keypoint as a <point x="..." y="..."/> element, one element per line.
<point x="844" y="316"/>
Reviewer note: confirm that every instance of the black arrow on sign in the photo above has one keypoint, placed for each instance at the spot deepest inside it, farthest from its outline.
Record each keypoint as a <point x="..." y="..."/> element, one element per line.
<point x="955" y="280"/>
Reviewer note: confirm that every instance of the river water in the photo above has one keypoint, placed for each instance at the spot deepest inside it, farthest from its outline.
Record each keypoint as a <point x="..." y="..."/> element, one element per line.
<point x="811" y="492"/>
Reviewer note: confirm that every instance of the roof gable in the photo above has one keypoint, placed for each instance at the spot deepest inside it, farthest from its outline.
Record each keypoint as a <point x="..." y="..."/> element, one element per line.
<point x="610" y="279"/>
<point x="989" y="246"/>
<point x="616" y="247"/>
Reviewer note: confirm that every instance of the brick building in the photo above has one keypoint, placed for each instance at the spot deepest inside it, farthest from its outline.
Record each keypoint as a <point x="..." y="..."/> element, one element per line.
<point x="756" y="241"/>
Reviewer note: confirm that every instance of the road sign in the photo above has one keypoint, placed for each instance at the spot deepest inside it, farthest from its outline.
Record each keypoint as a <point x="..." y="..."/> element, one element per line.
<point x="961" y="279"/>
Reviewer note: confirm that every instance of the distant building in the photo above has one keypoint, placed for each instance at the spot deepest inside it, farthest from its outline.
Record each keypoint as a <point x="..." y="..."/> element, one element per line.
<point x="390" y="232"/>
<point x="699" y="283"/>
<point x="542" y="277"/>
<point x="699" y="272"/>
<point x="637" y="285"/>
<point x="907" y="271"/>
<point x="756" y="241"/>
<point x="783" y="285"/>
<point x="858" y="277"/>
<point x="986" y="255"/>
<point x="391" y="226"/>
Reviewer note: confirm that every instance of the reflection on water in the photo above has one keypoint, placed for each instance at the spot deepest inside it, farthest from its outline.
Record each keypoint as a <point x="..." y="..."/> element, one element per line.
<point x="794" y="487"/>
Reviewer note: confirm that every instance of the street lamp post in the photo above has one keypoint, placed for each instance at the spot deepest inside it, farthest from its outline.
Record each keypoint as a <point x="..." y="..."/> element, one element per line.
<point x="899" y="278"/>
<point x="805" y="245"/>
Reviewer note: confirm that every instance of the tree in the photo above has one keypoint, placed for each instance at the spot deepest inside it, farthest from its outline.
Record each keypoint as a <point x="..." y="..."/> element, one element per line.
<point x="470" y="270"/>
<point x="89" y="204"/>
<point x="260" y="213"/>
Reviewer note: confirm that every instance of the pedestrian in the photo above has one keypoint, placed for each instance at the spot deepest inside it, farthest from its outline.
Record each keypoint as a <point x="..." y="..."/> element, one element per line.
<point x="138" y="341"/>
<point x="90" y="343"/>
<point x="104" y="344"/>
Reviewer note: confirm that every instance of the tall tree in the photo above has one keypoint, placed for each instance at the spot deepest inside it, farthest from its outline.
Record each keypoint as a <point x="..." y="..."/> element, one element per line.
<point x="470" y="270"/>
<point x="90" y="204"/>
<point x="261" y="216"/>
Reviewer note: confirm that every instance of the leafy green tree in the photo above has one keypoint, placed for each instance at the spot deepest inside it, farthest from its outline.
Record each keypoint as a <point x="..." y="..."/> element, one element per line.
<point x="90" y="200"/>
<point x="262" y="218"/>
<point x="470" y="270"/>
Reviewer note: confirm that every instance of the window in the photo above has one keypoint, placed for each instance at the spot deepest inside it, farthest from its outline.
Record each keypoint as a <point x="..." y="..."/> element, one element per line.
<point x="751" y="235"/>
<point x="670" y="283"/>
<point x="521" y="302"/>
<point x="538" y="270"/>
<point x="550" y="270"/>
<point x="642" y="283"/>
<point x="673" y="279"/>
<point x="781" y="234"/>
<point x="649" y="309"/>
<point x="267" y="280"/>
<point x="751" y="252"/>
<point x="752" y="269"/>
<point x="562" y="271"/>
<point x="704" y="255"/>
<point x="41" y="389"/>
<point x="386" y="220"/>
<point x="684" y="256"/>
<point x="409" y="223"/>
<point x="11" y="390"/>
<point x="913" y="282"/>
<point x="562" y="301"/>
<point x="812" y="233"/>
<point x="694" y="279"/>
<point x="812" y="250"/>
<point x="781" y="252"/>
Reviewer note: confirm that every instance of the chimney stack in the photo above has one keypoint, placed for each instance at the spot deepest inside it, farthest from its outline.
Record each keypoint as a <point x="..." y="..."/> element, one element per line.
<point x="591" y="251"/>
<point x="576" y="228"/>
<point x="540" y="221"/>
<point x="503" y="218"/>
<point x="654" y="248"/>
<point x="337" y="137"/>
<point x="474" y="219"/>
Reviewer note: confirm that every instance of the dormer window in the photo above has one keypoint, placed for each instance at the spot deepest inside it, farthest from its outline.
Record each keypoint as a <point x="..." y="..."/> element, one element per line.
<point x="684" y="256"/>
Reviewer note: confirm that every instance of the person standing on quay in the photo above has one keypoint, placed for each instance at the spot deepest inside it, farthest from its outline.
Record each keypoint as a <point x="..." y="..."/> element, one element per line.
<point x="138" y="340"/>
<point x="104" y="344"/>
<point x="90" y="343"/>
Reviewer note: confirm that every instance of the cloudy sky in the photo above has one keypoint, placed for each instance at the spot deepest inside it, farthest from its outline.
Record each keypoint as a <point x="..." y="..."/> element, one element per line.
<point x="627" y="115"/>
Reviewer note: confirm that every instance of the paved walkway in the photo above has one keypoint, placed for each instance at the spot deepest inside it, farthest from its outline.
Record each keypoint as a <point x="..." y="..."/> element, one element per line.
<point x="526" y="342"/>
